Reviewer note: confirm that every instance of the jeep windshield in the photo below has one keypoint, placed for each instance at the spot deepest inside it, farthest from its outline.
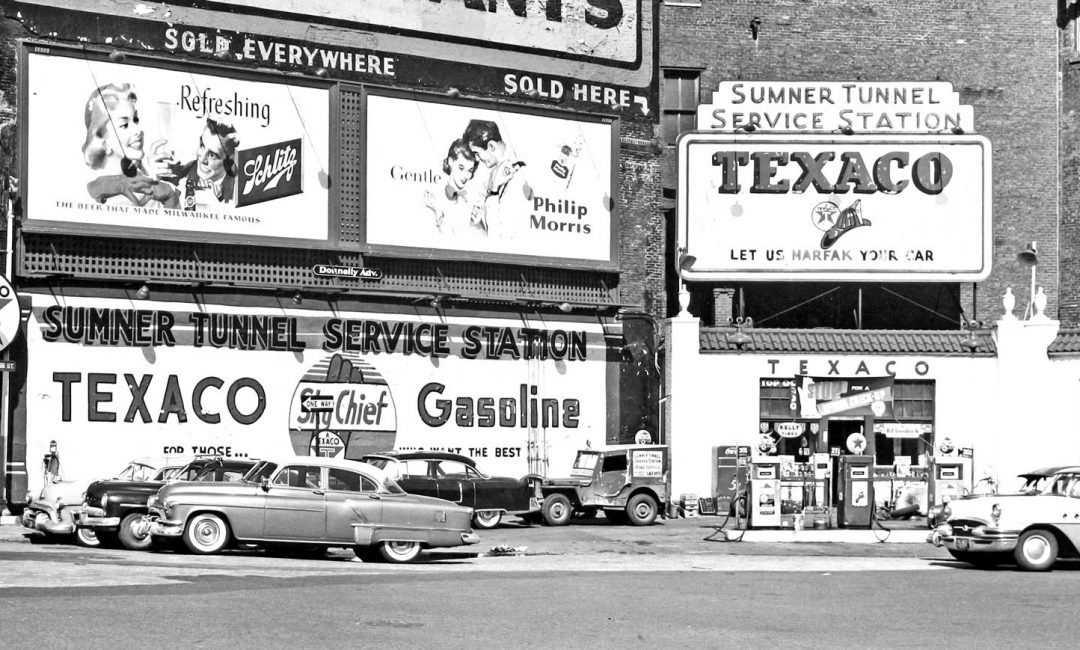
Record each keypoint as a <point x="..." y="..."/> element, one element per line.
<point x="585" y="463"/>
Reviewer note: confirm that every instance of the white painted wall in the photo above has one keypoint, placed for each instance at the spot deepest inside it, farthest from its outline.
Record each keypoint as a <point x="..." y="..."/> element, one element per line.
<point x="1017" y="411"/>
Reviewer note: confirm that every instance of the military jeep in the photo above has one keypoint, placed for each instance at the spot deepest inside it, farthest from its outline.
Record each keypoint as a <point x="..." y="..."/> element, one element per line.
<point x="627" y="482"/>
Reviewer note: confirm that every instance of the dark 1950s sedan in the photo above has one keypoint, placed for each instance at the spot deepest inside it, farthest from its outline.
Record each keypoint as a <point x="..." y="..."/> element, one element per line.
<point x="114" y="509"/>
<point x="457" y="478"/>
<point x="309" y="501"/>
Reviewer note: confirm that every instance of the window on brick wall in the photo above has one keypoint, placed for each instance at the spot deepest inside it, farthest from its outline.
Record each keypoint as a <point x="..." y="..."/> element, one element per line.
<point x="679" y="103"/>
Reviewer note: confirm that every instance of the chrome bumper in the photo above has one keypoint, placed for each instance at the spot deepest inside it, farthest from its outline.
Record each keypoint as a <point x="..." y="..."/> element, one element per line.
<point x="982" y="539"/>
<point x="158" y="527"/>
<point x="43" y="522"/>
<point x="94" y="518"/>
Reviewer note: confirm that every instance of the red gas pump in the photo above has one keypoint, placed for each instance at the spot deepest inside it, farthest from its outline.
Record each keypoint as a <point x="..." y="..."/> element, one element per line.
<point x="856" y="506"/>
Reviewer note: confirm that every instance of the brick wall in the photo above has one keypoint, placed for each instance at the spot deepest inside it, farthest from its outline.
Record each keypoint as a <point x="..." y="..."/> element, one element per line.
<point x="1001" y="57"/>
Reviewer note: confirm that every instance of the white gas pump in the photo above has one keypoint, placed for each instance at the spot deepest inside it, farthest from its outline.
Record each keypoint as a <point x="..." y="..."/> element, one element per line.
<point x="764" y="495"/>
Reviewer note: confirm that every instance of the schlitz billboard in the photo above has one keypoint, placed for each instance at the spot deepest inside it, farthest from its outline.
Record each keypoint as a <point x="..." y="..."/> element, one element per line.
<point x="121" y="148"/>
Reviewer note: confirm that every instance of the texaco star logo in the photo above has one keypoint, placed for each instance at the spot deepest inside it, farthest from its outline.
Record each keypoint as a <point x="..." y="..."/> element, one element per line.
<point x="824" y="215"/>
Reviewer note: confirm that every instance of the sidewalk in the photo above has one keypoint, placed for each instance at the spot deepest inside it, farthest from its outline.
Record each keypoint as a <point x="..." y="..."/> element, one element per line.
<point x="685" y="534"/>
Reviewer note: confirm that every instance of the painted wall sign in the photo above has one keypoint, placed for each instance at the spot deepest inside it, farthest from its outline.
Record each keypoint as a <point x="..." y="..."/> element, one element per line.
<point x="836" y="208"/>
<point x="110" y="383"/>
<point x="140" y="148"/>
<point x="573" y="74"/>
<point x="607" y="30"/>
<point x="861" y="106"/>
<point x="454" y="179"/>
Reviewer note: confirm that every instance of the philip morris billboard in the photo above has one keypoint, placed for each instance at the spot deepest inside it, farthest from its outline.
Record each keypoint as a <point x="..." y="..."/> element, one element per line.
<point x="774" y="207"/>
<point x="464" y="180"/>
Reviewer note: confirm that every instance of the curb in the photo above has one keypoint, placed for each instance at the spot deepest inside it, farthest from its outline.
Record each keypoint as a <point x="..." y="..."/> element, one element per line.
<point x="845" y="536"/>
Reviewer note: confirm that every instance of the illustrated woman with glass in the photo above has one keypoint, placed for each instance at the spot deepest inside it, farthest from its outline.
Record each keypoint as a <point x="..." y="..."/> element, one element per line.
<point x="114" y="145"/>
<point x="460" y="211"/>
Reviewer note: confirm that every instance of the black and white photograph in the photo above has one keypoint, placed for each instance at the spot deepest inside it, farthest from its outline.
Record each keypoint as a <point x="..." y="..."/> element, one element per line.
<point x="539" y="324"/>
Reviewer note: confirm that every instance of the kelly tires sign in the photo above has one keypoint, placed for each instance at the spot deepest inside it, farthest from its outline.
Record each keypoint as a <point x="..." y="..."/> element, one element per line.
<point x="774" y="207"/>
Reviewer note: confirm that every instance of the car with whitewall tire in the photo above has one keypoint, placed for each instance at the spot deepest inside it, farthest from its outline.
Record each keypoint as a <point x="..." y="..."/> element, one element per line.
<point x="1032" y="530"/>
<point x="307" y="502"/>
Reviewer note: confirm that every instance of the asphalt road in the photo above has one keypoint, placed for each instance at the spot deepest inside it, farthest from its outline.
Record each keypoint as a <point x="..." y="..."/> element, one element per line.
<point x="589" y="585"/>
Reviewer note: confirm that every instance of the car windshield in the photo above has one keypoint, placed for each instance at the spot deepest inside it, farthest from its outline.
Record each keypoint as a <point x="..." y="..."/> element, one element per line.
<point x="391" y="486"/>
<point x="586" y="460"/>
<point x="166" y="473"/>
<point x="375" y="461"/>
<point x="262" y="470"/>
<point x="136" y="472"/>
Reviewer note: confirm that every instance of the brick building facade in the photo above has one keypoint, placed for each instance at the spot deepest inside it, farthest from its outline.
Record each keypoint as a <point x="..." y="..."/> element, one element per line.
<point x="1003" y="61"/>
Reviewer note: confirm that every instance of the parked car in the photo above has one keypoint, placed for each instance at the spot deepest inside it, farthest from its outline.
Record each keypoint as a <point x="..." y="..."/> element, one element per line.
<point x="1032" y="482"/>
<point x="51" y="513"/>
<point x="1033" y="529"/>
<point x="310" y="500"/>
<point x="627" y="482"/>
<point x="456" y="478"/>
<point x="114" y="509"/>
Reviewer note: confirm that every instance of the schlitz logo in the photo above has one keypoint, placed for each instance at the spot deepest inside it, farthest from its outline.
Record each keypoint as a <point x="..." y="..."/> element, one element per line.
<point x="828" y="217"/>
<point x="270" y="172"/>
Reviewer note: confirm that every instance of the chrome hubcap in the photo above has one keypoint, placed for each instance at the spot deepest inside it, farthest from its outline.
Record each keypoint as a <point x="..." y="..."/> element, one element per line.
<point x="1036" y="549"/>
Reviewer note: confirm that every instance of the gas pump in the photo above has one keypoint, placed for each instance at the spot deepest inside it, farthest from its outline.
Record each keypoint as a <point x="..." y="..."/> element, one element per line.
<point x="822" y="474"/>
<point x="764" y="494"/>
<point x="856" y="506"/>
<point x="729" y="475"/>
<point x="946" y="480"/>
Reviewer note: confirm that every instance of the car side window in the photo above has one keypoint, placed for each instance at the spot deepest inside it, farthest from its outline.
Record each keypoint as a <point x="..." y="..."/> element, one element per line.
<point x="414" y="469"/>
<point x="1074" y="486"/>
<point x="343" y="480"/>
<point x="616" y="463"/>
<point x="452" y="469"/>
<point x="300" y="476"/>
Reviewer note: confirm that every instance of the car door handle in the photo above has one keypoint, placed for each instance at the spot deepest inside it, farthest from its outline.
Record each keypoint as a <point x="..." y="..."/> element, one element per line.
<point x="318" y="492"/>
<point x="374" y="496"/>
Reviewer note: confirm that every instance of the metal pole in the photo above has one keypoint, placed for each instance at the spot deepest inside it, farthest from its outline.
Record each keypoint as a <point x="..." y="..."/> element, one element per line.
<point x="5" y="383"/>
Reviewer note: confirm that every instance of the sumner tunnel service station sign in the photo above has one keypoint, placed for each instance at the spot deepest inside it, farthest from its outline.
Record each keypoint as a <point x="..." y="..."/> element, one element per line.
<point x="865" y="207"/>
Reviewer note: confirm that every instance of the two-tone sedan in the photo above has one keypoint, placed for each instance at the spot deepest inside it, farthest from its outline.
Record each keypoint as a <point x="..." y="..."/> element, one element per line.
<point x="457" y="478"/>
<point x="309" y="501"/>
<point x="1034" y="530"/>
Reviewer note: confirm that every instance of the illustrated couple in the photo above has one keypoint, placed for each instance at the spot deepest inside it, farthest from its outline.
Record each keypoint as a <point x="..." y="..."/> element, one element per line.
<point x="474" y="198"/>
<point x="152" y="177"/>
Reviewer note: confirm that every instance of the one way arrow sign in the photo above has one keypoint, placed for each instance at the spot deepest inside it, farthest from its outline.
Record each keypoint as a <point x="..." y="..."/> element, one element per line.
<point x="316" y="403"/>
